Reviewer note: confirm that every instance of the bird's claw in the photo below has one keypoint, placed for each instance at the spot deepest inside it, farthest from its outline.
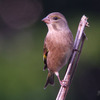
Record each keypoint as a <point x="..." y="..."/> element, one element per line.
<point x="64" y="83"/>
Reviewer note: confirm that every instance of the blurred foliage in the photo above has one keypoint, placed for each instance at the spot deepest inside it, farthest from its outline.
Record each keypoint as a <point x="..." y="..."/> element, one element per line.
<point x="21" y="64"/>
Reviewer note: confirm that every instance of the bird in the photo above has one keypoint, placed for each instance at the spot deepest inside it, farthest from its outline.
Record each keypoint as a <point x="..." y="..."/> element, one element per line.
<point x="58" y="46"/>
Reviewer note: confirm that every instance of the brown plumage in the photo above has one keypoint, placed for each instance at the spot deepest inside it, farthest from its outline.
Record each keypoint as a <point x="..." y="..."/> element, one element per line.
<point x="58" y="45"/>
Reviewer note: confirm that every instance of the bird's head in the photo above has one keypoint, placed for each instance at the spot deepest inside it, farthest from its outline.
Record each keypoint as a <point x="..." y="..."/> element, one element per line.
<point x="55" y="20"/>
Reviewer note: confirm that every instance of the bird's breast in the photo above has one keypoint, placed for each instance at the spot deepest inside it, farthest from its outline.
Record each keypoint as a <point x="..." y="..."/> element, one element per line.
<point x="59" y="50"/>
<point x="57" y="40"/>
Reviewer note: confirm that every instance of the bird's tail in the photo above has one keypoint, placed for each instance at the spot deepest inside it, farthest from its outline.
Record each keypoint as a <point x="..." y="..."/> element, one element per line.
<point x="50" y="79"/>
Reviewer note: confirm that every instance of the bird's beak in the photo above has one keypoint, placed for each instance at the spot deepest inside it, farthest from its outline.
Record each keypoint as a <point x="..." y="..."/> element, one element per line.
<point x="46" y="20"/>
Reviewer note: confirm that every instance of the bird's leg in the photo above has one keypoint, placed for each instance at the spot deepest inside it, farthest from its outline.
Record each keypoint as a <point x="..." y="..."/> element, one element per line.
<point x="57" y="74"/>
<point x="62" y="83"/>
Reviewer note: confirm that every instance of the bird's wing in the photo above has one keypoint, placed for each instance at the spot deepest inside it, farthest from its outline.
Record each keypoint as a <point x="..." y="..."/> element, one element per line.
<point x="45" y="53"/>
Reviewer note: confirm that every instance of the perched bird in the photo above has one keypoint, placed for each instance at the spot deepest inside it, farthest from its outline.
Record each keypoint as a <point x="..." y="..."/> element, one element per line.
<point x="58" y="45"/>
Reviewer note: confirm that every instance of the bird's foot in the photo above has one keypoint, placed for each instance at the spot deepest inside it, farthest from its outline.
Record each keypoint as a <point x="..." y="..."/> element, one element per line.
<point x="64" y="83"/>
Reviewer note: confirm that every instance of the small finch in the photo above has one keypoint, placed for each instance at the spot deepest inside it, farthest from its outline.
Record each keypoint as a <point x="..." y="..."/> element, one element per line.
<point x="58" y="45"/>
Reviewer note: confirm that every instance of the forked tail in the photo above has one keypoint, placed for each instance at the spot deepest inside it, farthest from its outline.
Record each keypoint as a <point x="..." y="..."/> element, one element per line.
<point x="50" y="79"/>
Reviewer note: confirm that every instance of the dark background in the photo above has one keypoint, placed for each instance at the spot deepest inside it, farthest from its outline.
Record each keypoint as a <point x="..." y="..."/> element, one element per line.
<point x="21" y="46"/>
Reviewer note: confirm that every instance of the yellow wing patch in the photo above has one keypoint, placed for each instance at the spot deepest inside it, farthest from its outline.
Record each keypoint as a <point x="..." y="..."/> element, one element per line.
<point x="44" y="56"/>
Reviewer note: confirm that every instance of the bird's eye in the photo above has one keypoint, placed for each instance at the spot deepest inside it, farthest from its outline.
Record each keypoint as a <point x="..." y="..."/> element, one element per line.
<point x="55" y="18"/>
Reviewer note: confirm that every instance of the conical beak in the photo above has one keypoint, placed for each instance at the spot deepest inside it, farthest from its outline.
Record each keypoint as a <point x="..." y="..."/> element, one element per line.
<point x="46" y="20"/>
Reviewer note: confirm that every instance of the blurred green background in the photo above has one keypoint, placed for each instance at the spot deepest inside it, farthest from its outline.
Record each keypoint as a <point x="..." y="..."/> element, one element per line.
<point x="21" y="46"/>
